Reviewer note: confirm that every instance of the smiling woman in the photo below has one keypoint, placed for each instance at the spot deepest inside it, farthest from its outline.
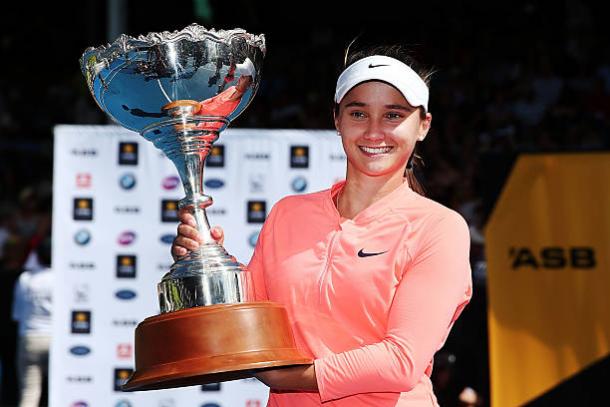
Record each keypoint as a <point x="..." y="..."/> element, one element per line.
<point x="373" y="274"/>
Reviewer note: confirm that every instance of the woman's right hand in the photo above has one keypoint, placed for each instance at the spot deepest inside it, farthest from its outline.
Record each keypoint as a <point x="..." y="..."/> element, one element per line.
<point x="188" y="238"/>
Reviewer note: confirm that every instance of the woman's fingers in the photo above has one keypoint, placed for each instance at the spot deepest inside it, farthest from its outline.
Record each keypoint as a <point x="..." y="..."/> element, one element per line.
<point x="186" y="217"/>
<point x="189" y="232"/>
<point x="218" y="234"/>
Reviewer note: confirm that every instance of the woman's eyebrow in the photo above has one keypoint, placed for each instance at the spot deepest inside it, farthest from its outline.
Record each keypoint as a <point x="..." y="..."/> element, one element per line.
<point x="358" y="104"/>
<point x="399" y="107"/>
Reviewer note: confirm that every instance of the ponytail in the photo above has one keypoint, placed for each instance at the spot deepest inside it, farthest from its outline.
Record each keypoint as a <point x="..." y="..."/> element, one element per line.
<point x="414" y="161"/>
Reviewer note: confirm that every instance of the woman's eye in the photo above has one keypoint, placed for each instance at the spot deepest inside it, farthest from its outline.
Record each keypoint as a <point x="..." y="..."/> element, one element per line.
<point x="357" y="115"/>
<point x="394" y="115"/>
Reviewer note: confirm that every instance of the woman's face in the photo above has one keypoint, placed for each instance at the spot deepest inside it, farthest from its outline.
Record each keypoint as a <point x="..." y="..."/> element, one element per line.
<point x="379" y="129"/>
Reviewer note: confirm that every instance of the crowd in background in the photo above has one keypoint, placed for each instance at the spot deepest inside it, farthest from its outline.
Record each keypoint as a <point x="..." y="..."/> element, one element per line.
<point x="538" y="90"/>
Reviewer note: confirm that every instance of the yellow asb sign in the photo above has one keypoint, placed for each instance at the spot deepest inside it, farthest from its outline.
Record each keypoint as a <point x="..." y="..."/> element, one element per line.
<point x="547" y="245"/>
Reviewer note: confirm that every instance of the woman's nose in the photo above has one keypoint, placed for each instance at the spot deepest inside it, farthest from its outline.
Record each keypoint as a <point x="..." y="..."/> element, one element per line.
<point x="374" y="130"/>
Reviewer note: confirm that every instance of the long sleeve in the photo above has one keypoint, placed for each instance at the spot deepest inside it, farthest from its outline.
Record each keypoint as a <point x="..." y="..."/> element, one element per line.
<point x="256" y="267"/>
<point x="435" y="287"/>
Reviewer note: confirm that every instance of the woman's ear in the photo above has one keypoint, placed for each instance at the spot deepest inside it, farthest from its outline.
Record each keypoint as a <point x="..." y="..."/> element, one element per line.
<point x="424" y="127"/>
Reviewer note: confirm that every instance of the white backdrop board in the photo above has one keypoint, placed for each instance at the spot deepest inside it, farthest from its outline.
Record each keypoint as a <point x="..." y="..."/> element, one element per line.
<point x="114" y="218"/>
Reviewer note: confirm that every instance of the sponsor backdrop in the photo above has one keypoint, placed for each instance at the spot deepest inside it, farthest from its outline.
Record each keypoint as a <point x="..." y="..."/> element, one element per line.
<point x="549" y="274"/>
<point x="114" y="218"/>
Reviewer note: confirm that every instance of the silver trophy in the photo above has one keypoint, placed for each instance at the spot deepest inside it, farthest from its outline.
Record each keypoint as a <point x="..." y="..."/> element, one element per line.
<point x="180" y="90"/>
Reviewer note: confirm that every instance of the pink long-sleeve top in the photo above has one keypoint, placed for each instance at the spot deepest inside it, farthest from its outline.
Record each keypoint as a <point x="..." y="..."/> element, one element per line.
<point x="370" y="299"/>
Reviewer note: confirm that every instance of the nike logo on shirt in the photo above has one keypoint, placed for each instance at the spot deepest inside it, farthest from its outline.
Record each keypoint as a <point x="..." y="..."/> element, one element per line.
<point x="376" y="66"/>
<point x="361" y="253"/>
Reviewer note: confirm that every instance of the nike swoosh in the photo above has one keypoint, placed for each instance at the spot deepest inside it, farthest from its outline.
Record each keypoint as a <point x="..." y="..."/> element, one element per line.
<point x="376" y="66"/>
<point x="361" y="253"/>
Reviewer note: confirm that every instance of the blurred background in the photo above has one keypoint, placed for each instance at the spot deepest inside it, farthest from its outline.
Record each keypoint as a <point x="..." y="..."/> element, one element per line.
<point x="510" y="77"/>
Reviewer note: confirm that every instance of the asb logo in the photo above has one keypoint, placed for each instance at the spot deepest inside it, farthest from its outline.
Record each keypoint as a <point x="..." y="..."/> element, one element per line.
<point x="127" y="181"/>
<point x="170" y="182"/>
<point x="299" y="156"/>
<point x="82" y="237"/>
<point x="126" y="266"/>
<point x="126" y="238"/>
<point x="125" y="294"/>
<point x="553" y="257"/>
<point x="214" y="183"/>
<point x="121" y="375"/>
<point x="124" y="351"/>
<point x="169" y="210"/>
<point x="210" y="387"/>
<point x="128" y="153"/>
<point x="80" y="350"/>
<point x="216" y="158"/>
<point x="83" y="180"/>
<point x="81" y="322"/>
<point x="299" y="184"/>
<point x="83" y="209"/>
<point x="253" y="238"/>
<point x="257" y="211"/>
<point x="167" y="239"/>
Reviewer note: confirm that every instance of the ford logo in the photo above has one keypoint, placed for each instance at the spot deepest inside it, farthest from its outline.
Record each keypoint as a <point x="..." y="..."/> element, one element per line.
<point x="170" y="182"/>
<point x="168" y="239"/>
<point x="214" y="183"/>
<point x="127" y="181"/>
<point x="125" y="294"/>
<point x="82" y="237"/>
<point x="80" y="350"/>
<point x="126" y="238"/>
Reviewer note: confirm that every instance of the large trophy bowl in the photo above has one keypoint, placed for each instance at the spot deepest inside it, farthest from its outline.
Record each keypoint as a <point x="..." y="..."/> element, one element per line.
<point x="180" y="90"/>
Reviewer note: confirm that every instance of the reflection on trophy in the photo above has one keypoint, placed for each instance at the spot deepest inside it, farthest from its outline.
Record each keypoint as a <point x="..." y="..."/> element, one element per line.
<point x="180" y="90"/>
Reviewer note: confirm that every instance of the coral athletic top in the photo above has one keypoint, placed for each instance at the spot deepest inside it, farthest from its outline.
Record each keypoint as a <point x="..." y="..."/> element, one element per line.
<point x="370" y="299"/>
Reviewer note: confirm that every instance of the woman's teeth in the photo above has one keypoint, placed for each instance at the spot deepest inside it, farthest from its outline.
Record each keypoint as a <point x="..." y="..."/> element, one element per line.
<point x="375" y="150"/>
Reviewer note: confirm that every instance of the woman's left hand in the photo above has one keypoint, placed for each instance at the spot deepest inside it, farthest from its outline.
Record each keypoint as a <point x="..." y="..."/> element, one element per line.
<point x="289" y="378"/>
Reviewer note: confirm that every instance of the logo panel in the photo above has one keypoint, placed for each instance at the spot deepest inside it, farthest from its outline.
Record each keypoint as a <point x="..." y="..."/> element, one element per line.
<point x="128" y="153"/>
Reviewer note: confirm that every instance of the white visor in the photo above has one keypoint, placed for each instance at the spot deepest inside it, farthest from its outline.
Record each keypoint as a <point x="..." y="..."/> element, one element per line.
<point x="385" y="69"/>
<point x="246" y="69"/>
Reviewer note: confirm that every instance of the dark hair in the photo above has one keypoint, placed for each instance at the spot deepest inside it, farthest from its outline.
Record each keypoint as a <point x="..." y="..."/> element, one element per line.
<point x="43" y="251"/>
<point x="404" y="55"/>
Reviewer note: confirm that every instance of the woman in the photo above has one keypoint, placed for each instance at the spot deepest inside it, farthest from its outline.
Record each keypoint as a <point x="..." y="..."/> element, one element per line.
<point x="372" y="273"/>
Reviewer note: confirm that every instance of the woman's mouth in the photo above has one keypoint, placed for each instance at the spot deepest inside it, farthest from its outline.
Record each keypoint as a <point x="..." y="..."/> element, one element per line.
<point x="375" y="150"/>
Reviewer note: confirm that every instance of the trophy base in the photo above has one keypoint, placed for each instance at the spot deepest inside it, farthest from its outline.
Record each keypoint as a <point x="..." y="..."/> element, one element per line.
<point x="212" y="344"/>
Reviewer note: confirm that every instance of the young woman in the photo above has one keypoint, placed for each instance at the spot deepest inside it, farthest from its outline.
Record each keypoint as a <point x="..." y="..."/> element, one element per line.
<point x="372" y="273"/>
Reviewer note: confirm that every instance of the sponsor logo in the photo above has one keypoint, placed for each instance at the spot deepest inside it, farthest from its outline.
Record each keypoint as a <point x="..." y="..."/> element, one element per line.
<point x="253" y="238"/>
<point x="83" y="265"/>
<point x="253" y="403"/>
<point x="125" y="294"/>
<point x="216" y="211"/>
<point x="169" y="210"/>
<point x="80" y="350"/>
<point x="126" y="266"/>
<point x="126" y="209"/>
<point x="81" y="322"/>
<point x="126" y="238"/>
<point x="299" y="184"/>
<point x="299" y="156"/>
<point x="214" y="183"/>
<point x="376" y="66"/>
<point x="257" y="156"/>
<point x="127" y="181"/>
<point x="83" y="180"/>
<point x="210" y="405"/>
<point x="170" y="182"/>
<point x="123" y="403"/>
<point x="128" y="153"/>
<point x="84" y="152"/>
<point x="81" y="293"/>
<point x="79" y="404"/>
<point x="79" y="379"/>
<point x="124" y="351"/>
<point x="83" y="209"/>
<point x="82" y="237"/>
<point x="163" y="266"/>
<point x="216" y="158"/>
<point x="124" y="322"/>
<point x="553" y="257"/>
<point x="337" y="157"/>
<point x="210" y="387"/>
<point x="257" y="183"/>
<point x="167" y="238"/>
<point x="121" y="375"/>
<point x="361" y="253"/>
<point x="257" y="211"/>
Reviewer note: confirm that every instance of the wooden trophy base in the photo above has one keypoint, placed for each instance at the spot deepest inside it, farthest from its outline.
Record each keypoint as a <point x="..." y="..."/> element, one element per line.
<point x="212" y="344"/>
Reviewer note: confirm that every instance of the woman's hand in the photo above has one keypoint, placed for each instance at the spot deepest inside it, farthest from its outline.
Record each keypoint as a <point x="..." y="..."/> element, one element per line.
<point x="289" y="378"/>
<point x="188" y="238"/>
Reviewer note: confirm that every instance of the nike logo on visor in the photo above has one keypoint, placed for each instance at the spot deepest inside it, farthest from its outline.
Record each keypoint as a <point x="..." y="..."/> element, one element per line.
<point x="376" y="66"/>
<point x="361" y="253"/>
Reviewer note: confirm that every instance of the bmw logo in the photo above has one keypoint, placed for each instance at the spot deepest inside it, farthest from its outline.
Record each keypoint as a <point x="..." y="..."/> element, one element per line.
<point x="82" y="237"/>
<point x="214" y="183"/>
<point x="80" y="350"/>
<point x="122" y="403"/>
<point x="127" y="181"/>
<point x="253" y="238"/>
<point x="125" y="294"/>
<point x="168" y="238"/>
<point x="299" y="184"/>
<point x="170" y="182"/>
